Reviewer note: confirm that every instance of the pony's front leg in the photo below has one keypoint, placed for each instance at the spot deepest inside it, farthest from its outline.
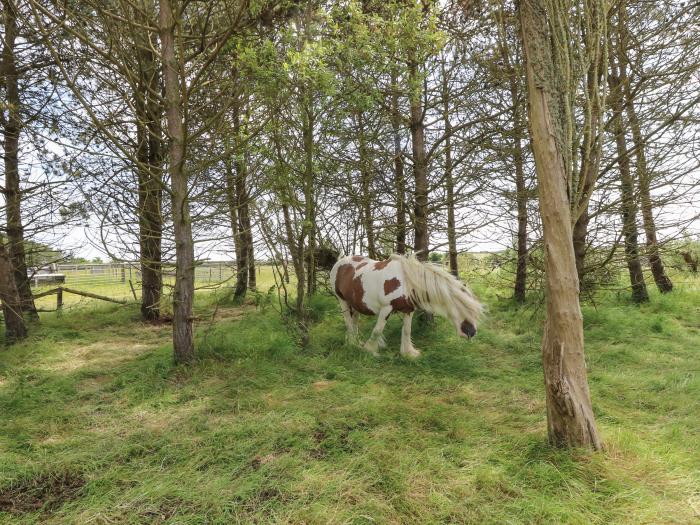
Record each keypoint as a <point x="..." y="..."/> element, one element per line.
<point x="407" y="348"/>
<point x="353" y="335"/>
<point x="376" y="339"/>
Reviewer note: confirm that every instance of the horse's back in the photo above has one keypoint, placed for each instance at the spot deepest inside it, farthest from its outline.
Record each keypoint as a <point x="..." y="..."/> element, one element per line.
<point x="367" y="285"/>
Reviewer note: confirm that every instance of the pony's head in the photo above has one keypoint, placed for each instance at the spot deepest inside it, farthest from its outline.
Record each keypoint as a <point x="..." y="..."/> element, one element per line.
<point x="466" y="312"/>
<point x="437" y="291"/>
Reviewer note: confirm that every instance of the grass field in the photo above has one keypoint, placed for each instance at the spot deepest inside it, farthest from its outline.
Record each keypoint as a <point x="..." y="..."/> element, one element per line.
<point x="98" y="425"/>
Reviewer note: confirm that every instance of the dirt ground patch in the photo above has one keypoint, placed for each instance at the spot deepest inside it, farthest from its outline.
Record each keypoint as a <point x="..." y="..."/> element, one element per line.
<point x="45" y="491"/>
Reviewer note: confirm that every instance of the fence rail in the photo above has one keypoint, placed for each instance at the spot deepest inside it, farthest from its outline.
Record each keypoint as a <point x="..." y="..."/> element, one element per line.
<point x="118" y="281"/>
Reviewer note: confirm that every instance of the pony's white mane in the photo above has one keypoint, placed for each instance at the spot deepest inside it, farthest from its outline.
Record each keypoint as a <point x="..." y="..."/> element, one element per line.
<point x="433" y="289"/>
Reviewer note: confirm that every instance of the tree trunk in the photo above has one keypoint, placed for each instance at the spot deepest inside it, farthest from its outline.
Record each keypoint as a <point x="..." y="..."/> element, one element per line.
<point x="515" y="88"/>
<point x="521" y="197"/>
<point x="570" y="417"/>
<point x="12" y="191"/>
<point x="662" y="280"/>
<point x="241" y="201"/>
<point x="580" y="243"/>
<point x="449" y="180"/>
<point x="399" y="180"/>
<point x="232" y="202"/>
<point x="309" y="225"/>
<point x="591" y="148"/>
<point x="628" y="201"/>
<point x="15" y="329"/>
<point x="420" y="164"/>
<point x="149" y="155"/>
<point x="183" y="293"/>
<point x="365" y="191"/>
<point x="252" y="278"/>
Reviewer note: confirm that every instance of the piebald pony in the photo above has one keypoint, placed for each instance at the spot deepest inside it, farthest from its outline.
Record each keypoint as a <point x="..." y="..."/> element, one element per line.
<point x="400" y="284"/>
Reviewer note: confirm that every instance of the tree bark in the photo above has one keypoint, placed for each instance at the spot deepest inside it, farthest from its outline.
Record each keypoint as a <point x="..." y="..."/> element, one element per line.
<point x="232" y="202"/>
<point x="241" y="210"/>
<point x="420" y="164"/>
<point x="628" y="201"/>
<point x="521" y="197"/>
<point x="12" y="191"/>
<point x="449" y="179"/>
<point x="15" y="329"/>
<point x="149" y="155"/>
<point x="309" y="224"/>
<point x="399" y="177"/>
<point x="570" y="417"/>
<point x="365" y="181"/>
<point x="594" y="43"/>
<point x="183" y="293"/>
<point x="662" y="280"/>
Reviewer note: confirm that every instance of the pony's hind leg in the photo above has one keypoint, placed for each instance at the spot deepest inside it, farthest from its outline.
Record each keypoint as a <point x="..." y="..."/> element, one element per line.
<point x="376" y="339"/>
<point x="353" y="334"/>
<point x="407" y="348"/>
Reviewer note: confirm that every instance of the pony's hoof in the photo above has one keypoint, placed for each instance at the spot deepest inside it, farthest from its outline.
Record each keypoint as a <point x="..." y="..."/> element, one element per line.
<point x="371" y="349"/>
<point x="411" y="353"/>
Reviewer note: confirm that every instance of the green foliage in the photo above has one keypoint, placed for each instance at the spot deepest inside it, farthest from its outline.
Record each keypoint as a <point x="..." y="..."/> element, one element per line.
<point x="98" y="424"/>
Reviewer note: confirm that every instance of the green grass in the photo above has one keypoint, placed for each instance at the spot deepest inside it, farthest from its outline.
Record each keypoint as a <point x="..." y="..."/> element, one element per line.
<point x="98" y="425"/>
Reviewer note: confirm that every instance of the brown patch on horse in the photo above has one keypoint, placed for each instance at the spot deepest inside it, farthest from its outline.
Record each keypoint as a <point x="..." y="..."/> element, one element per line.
<point x="348" y="287"/>
<point x="380" y="265"/>
<point x="402" y="304"/>
<point x="361" y="265"/>
<point x="390" y="285"/>
<point x="358" y="292"/>
<point x="343" y="281"/>
<point x="358" y="258"/>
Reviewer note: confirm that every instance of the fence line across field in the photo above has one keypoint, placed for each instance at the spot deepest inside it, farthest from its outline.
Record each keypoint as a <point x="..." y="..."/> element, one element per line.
<point x="118" y="281"/>
<point x="89" y="273"/>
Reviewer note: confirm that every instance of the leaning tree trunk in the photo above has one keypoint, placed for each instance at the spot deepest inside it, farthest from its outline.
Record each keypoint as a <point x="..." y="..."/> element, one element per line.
<point x="11" y="190"/>
<point x="183" y="292"/>
<point x="662" y="280"/>
<point x="399" y="177"/>
<point x="15" y="329"/>
<point x="569" y="413"/>
<point x="628" y="203"/>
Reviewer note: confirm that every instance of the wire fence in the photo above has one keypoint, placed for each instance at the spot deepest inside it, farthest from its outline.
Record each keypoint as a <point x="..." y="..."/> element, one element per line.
<point x="119" y="281"/>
